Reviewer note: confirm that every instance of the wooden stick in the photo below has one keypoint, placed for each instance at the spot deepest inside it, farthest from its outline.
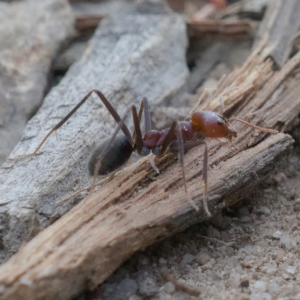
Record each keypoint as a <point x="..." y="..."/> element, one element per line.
<point x="243" y="29"/>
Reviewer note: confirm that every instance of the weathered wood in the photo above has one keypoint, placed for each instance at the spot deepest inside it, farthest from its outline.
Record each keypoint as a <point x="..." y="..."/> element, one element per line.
<point x="242" y="29"/>
<point x="26" y="54"/>
<point x="128" y="54"/>
<point x="132" y="209"/>
<point x="281" y="24"/>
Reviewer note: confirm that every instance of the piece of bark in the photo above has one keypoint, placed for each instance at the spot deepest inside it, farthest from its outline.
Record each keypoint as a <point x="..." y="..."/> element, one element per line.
<point x="131" y="56"/>
<point x="132" y="209"/>
<point x="87" y="22"/>
<point x="26" y="53"/>
<point x="241" y="29"/>
<point x="281" y="24"/>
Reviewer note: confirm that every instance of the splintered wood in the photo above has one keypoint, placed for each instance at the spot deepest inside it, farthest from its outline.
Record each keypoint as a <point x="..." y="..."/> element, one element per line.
<point x="137" y="207"/>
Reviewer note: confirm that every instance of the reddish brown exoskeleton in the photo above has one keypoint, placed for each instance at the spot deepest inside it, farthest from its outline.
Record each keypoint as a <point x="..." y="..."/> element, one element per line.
<point x="180" y="137"/>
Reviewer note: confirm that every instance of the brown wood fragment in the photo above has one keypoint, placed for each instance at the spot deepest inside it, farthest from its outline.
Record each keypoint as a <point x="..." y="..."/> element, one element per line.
<point x="241" y="29"/>
<point x="87" y="22"/>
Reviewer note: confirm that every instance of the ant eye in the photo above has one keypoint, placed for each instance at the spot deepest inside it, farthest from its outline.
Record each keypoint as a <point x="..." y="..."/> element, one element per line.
<point x="220" y="122"/>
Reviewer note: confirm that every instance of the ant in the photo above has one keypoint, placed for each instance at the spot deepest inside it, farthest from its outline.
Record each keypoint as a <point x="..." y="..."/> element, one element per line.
<point x="180" y="137"/>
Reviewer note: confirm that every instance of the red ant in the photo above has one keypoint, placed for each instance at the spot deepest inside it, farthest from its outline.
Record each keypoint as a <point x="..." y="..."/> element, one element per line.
<point x="180" y="137"/>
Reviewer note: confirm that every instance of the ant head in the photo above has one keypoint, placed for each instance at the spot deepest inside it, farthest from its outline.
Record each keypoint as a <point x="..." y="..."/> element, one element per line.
<point x="212" y="125"/>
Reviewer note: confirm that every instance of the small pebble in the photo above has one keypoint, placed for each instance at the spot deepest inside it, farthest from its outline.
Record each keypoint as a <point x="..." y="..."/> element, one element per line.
<point x="217" y="220"/>
<point x="215" y="277"/>
<point x="277" y="234"/>
<point x="147" y="284"/>
<point x="187" y="258"/>
<point x="271" y="269"/>
<point x="245" y="219"/>
<point x="213" y="232"/>
<point x="207" y="266"/>
<point x="232" y="261"/>
<point x="244" y="211"/>
<point x="202" y="258"/>
<point x="244" y="284"/>
<point x="297" y="205"/>
<point x="265" y="210"/>
<point x="294" y="159"/>
<point x="128" y="286"/>
<point x="162" y="261"/>
<point x="291" y="269"/>
<point x="169" y="288"/>
<point x="280" y="256"/>
<point x="261" y="296"/>
<point x="280" y="177"/>
<point x="229" y="251"/>
<point x="286" y="276"/>
<point x="234" y="280"/>
<point x="263" y="244"/>
<point x="273" y="287"/>
<point x="287" y="241"/>
<point x="260" y="286"/>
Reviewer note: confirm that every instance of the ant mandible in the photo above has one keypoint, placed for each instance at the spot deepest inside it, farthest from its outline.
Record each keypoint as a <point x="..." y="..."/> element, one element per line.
<point x="180" y="137"/>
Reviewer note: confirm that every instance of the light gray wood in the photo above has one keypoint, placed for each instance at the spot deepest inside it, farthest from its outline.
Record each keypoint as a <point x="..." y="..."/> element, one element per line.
<point x="27" y="49"/>
<point x="130" y="56"/>
<point x="280" y="24"/>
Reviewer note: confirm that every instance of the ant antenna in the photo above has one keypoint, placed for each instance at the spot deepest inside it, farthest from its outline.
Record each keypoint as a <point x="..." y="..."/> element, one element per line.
<point x="253" y="126"/>
<point x="180" y="155"/>
<point x="222" y="105"/>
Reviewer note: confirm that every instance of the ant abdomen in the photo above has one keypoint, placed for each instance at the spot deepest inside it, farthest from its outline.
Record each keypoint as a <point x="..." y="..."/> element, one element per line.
<point x="118" y="154"/>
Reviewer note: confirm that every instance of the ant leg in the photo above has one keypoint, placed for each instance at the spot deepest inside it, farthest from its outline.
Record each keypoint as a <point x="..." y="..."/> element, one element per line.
<point x="140" y="116"/>
<point x="169" y="138"/>
<point x="181" y="160"/>
<point x="189" y="145"/>
<point x="147" y="115"/>
<point x="253" y="126"/>
<point x="138" y="143"/>
<point x="175" y="127"/>
<point x="144" y="107"/>
<point x="107" y="104"/>
<point x="222" y="105"/>
<point x="108" y="146"/>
